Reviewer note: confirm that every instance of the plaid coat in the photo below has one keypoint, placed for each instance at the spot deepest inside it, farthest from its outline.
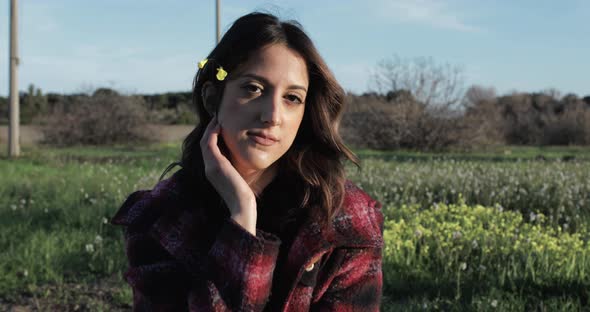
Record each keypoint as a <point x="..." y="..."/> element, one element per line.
<point x="181" y="257"/>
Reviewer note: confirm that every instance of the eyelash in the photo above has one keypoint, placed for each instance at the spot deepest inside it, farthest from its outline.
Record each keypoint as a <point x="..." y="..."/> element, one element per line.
<point x="297" y="99"/>
<point x="253" y="89"/>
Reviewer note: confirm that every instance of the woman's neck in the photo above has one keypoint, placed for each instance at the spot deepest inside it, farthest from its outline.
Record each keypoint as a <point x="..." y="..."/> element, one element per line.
<point x="259" y="179"/>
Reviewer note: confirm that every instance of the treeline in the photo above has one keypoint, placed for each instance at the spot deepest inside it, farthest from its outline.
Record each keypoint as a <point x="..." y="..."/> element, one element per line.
<point x="379" y="120"/>
<point x="399" y="120"/>
<point x="165" y="108"/>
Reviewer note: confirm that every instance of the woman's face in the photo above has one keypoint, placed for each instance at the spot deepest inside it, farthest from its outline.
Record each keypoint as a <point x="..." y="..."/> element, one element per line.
<point x="262" y="107"/>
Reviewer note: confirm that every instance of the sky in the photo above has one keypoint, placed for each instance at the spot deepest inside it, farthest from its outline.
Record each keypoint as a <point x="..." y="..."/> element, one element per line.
<point x="153" y="46"/>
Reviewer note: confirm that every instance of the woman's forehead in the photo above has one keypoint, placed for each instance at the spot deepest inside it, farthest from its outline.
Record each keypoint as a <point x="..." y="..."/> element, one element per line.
<point x="274" y="64"/>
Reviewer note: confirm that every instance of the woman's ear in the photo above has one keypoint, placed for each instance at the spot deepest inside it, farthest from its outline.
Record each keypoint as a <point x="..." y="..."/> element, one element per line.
<point x="210" y="98"/>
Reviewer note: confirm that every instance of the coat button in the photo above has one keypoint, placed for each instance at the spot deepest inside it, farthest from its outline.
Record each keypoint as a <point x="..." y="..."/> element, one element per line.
<point x="309" y="267"/>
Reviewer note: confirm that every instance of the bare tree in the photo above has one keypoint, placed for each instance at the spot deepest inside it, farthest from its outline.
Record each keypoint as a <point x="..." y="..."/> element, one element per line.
<point x="482" y="117"/>
<point x="435" y="85"/>
<point x="477" y="94"/>
<point x="552" y="92"/>
<point x="106" y="117"/>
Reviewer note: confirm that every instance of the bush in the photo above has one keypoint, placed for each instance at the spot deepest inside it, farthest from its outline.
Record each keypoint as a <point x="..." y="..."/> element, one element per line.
<point x="527" y="118"/>
<point x="399" y="121"/>
<point x="571" y="127"/>
<point x="101" y="119"/>
<point x="181" y="115"/>
<point x="483" y="124"/>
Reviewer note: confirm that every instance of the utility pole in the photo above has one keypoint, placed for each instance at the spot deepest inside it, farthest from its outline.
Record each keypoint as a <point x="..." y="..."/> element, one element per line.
<point x="13" y="131"/>
<point x="218" y="23"/>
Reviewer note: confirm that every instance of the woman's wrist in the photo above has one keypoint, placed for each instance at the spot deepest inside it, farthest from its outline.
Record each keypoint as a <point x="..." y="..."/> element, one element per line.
<point x="248" y="223"/>
<point x="244" y="213"/>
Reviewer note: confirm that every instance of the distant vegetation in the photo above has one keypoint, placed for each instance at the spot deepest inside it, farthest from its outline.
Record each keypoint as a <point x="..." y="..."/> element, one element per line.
<point x="418" y="105"/>
<point x="165" y="108"/>
<point x="103" y="118"/>
<point x="423" y="105"/>
<point x="397" y="120"/>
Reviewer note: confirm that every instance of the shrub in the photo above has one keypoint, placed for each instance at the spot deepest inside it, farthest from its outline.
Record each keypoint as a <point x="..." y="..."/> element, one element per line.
<point x="570" y="127"/>
<point x="182" y="114"/>
<point x="101" y="119"/>
<point x="542" y="119"/>
<point x="399" y="121"/>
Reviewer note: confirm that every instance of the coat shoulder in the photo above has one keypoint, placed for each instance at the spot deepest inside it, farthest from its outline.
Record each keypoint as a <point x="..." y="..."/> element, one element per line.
<point x="144" y="207"/>
<point x="359" y="223"/>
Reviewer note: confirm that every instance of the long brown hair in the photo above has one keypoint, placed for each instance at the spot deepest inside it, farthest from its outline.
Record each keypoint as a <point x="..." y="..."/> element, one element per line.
<point x="318" y="153"/>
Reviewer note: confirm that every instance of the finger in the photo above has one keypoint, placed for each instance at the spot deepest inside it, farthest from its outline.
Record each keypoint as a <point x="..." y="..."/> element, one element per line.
<point x="213" y="142"/>
<point x="209" y="147"/>
<point x="210" y="126"/>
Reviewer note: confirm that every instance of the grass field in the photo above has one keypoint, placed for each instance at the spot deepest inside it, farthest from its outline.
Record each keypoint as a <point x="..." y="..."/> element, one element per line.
<point x="504" y="229"/>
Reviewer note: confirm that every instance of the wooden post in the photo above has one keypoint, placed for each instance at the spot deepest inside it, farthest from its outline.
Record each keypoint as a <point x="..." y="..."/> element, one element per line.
<point x="13" y="131"/>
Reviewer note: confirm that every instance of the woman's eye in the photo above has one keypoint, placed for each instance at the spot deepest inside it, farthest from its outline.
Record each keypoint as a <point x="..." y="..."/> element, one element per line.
<point x="253" y="89"/>
<point x="294" y="98"/>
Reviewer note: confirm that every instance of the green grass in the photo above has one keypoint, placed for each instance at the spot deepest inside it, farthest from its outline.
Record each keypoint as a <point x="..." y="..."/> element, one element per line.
<point x="54" y="203"/>
<point x="58" y="252"/>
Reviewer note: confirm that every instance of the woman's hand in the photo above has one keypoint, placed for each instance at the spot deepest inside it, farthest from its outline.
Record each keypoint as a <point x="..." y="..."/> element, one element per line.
<point x="234" y="190"/>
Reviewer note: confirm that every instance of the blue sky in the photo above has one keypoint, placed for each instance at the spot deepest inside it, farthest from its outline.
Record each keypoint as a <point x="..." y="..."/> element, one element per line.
<point x="152" y="46"/>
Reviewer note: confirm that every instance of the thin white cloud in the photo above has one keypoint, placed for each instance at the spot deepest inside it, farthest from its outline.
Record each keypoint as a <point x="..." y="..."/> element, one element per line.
<point x="438" y="14"/>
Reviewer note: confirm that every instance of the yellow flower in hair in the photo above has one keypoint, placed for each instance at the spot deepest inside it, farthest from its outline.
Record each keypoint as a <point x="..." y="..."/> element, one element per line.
<point x="221" y="73"/>
<point x="202" y="63"/>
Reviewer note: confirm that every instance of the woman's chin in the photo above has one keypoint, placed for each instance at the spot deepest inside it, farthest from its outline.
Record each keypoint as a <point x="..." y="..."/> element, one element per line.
<point x="256" y="161"/>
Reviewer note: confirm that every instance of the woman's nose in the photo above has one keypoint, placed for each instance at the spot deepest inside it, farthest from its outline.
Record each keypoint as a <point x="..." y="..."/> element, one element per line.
<point x="271" y="110"/>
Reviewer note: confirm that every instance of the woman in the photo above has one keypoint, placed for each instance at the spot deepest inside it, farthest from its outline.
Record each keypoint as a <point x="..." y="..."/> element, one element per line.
<point x="260" y="216"/>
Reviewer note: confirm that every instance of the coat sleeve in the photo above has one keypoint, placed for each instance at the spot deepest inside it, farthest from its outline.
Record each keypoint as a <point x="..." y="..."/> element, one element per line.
<point x="241" y="268"/>
<point x="235" y="273"/>
<point x="357" y="285"/>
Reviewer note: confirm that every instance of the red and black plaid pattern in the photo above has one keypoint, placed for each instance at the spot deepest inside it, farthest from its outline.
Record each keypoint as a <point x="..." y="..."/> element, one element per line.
<point x="184" y="257"/>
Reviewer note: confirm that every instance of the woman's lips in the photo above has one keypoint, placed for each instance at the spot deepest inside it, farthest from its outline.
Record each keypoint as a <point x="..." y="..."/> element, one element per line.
<point x="261" y="139"/>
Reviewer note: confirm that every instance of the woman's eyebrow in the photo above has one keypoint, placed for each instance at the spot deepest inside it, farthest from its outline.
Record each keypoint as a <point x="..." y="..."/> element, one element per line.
<point x="265" y="81"/>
